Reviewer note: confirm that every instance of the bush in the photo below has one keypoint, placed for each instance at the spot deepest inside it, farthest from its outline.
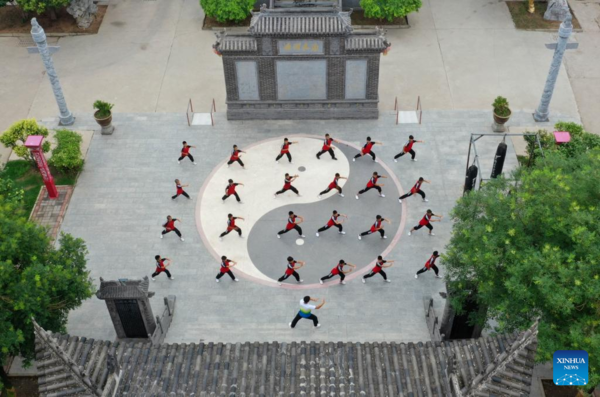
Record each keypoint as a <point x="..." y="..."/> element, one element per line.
<point x="227" y="10"/>
<point x="103" y="109"/>
<point x="501" y="107"/>
<point x="66" y="157"/>
<point x="17" y="134"/>
<point x="581" y="141"/>
<point x="41" y="6"/>
<point x="389" y="9"/>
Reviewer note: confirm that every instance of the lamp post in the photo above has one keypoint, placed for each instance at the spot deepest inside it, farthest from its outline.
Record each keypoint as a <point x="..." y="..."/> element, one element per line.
<point x="39" y="37"/>
<point x="566" y="27"/>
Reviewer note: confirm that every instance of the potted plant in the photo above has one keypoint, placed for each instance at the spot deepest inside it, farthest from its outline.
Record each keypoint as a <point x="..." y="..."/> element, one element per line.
<point x="103" y="116"/>
<point x="501" y="110"/>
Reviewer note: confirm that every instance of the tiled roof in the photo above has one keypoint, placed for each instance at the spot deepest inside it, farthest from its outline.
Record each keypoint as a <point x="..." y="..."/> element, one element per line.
<point x="124" y="289"/>
<point x="233" y="43"/>
<point x="357" y="43"/>
<point x="330" y="23"/>
<point x="500" y="366"/>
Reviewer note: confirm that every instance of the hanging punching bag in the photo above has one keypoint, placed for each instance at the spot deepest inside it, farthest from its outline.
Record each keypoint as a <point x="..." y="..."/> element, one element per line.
<point x="471" y="178"/>
<point x="499" y="160"/>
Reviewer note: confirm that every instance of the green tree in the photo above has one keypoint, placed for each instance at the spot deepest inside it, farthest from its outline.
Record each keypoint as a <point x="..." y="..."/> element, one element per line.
<point x="17" y="134"/>
<point x="42" y="6"/>
<point x="389" y="9"/>
<point x="36" y="279"/>
<point x="530" y="249"/>
<point x="227" y="10"/>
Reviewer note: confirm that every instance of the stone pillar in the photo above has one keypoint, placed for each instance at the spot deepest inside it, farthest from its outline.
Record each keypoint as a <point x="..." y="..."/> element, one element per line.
<point x="39" y="37"/>
<point x="542" y="112"/>
<point x="129" y="306"/>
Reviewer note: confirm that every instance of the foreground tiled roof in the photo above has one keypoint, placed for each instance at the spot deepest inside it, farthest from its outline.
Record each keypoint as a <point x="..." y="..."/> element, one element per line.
<point x="325" y="23"/>
<point x="500" y="366"/>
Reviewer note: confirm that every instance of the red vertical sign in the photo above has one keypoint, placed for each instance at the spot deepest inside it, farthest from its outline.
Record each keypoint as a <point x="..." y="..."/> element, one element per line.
<point x="34" y="143"/>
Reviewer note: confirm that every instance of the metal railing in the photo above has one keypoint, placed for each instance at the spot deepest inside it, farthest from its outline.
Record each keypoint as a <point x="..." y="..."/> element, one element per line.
<point x="419" y="109"/>
<point x="213" y="109"/>
<point x="187" y="112"/>
<point x="190" y="111"/>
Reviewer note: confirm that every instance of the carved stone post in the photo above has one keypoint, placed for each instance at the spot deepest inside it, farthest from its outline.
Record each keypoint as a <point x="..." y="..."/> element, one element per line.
<point x="39" y="37"/>
<point x="542" y="112"/>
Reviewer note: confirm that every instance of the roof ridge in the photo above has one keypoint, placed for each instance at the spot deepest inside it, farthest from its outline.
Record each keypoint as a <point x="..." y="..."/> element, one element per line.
<point x="79" y="375"/>
<point x="481" y="381"/>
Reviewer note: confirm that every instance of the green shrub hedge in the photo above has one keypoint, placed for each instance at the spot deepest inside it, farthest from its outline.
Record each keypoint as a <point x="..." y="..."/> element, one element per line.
<point x="389" y="9"/>
<point x="227" y="10"/>
<point x="66" y="156"/>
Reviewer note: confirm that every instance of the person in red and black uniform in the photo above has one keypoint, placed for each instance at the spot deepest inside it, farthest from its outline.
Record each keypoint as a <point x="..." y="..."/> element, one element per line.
<point x="161" y="266"/>
<point x="333" y="221"/>
<point x="231" y="226"/>
<point x="225" y="268"/>
<point x="180" y="190"/>
<point x="426" y="221"/>
<point x="367" y="149"/>
<point x="338" y="270"/>
<point x="430" y="264"/>
<point x="372" y="184"/>
<point x="169" y="226"/>
<point x="327" y="147"/>
<point x="285" y="149"/>
<point x="292" y="223"/>
<point x="380" y="264"/>
<point x="287" y="185"/>
<point x="334" y="185"/>
<point x="230" y="189"/>
<point x="377" y="227"/>
<point x="408" y="149"/>
<point x="235" y="156"/>
<point x="290" y="270"/>
<point x="185" y="152"/>
<point x="416" y="190"/>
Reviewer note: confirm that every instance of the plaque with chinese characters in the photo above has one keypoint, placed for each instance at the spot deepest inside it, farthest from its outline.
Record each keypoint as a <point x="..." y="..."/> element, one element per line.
<point x="300" y="47"/>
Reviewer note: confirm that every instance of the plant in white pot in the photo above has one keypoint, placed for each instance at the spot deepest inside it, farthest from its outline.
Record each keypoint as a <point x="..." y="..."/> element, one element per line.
<point x="502" y="113"/>
<point x="103" y="116"/>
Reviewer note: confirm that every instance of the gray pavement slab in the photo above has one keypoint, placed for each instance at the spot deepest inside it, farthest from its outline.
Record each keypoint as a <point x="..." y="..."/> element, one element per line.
<point x="124" y="192"/>
<point x="153" y="56"/>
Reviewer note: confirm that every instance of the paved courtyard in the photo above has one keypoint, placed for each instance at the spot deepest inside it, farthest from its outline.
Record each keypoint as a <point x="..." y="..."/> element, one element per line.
<point x="123" y="196"/>
<point x="152" y="56"/>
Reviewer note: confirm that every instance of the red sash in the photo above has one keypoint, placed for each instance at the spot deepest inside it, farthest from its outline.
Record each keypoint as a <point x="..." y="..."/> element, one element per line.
<point x="332" y="220"/>
<point x="375" y="226"/>
<point x="416" y="187"/>
<point x="230" y="224"/>
<point x="425" y="220"/>
<point x="372" y="181"/>
<point x="230" y="189"/>
<point x="291" y="222"/>
<point x="290" y="268"/>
